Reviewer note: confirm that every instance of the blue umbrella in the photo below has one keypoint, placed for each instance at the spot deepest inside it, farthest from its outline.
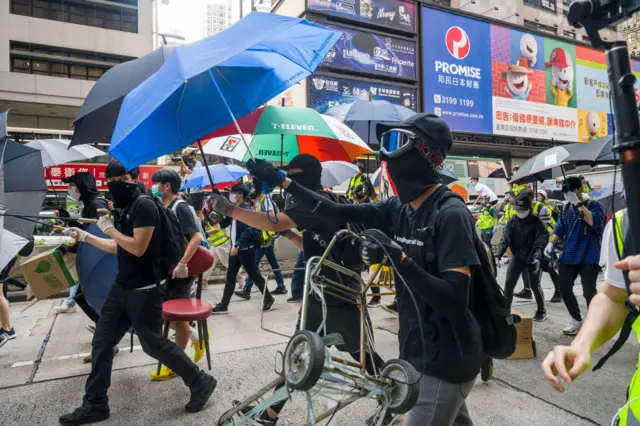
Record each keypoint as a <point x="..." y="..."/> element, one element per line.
<point x="363" y="116"/>
<point x="205" y="85"/>
<point x="220" y="173"/>
<point x="97" y="270"/>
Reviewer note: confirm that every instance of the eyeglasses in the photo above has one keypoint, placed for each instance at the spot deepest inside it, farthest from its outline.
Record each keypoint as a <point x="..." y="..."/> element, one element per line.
<point x="396" y="142"/>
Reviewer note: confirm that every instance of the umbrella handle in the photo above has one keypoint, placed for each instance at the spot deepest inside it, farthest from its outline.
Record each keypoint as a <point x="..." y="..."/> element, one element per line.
<point x="235" y="122"/>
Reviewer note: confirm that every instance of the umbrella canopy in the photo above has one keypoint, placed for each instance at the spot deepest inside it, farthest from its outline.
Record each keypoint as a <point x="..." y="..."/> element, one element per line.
<point x="57" y="151"/>
<point x="612" y="201"/>
<point x="335" y="173"/>
<point x="97" y="270"/>
<point x="363" y="116"/>
<point x="21" y="194"/>
<point x="202" y="86"/>
<point x="97" y="117"/>
<point x="287" y="132"/>
<point x="597" y="151"/>
<point x="220" y="173"/>
<point x="543" y="166"/>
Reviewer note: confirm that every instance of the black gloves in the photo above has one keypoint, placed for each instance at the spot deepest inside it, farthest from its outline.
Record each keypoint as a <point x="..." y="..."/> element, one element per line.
<point x="375" y="244"/>
<point x="265" y="172"/>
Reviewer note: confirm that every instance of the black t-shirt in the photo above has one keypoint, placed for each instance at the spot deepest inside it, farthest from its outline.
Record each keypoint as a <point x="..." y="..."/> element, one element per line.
<point x="90" y="211"/>
<point x="317" y="232"/>
<point x="185" y="217"/>
<point x="133" y="271"/>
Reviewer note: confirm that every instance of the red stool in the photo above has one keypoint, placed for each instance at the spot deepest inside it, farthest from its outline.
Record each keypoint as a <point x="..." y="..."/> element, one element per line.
<point x="189" y="310"/>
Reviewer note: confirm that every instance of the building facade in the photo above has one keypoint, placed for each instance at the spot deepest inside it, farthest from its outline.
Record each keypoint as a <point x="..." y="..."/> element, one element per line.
<point x="630" y="31"/>
<point x="52" y="51"/>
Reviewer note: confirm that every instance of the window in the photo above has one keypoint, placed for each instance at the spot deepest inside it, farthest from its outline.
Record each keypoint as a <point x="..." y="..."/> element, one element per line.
<point x="569" y="34"/>
<point x="540" y="27"/>
<point x="542" y="4"/>
<point x="565" y="6"/>
<point x="58" y="62"/>
<point x="120" y="16"/>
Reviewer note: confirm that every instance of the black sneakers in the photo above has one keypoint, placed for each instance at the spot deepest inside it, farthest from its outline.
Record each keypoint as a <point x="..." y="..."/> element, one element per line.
<point x="540" y="316"/>
<point x="201" y="391"/>
<point x="280" y="290"/>
<point x="524" y="294"/>
<point x="268" y="305"/>
<point x="375" y="301"/>
<point x="243" y="294"/>
<point x="85" y="414"/>
<point x="293" y="299"/>
<point x="219" y="309"/>
<point x="557" y="297"/>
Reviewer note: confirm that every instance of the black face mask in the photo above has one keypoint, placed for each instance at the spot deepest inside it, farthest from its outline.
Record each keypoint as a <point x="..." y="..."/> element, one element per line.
<point x="123" y="193"/>
<point x="306" y="179"/>
<point x="411" y="175"/>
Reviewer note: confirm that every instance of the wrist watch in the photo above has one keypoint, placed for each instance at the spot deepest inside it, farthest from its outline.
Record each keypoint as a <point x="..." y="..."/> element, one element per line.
<point x="580" y="204"/>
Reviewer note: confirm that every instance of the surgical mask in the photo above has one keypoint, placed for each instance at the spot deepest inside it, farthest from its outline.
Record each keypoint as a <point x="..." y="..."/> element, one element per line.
<point x="155" y="191"/>
<point x="123" y="193"/>
<point x="411" y="175"/>
<point x="523" y="214"/>
<point x="73" y="192"/>
<point x="538" y="198"/>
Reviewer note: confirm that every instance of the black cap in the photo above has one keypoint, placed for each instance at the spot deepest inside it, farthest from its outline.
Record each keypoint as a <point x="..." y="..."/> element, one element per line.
<point x="306" y="162"/>
<point x="433" y="129"/>
<point x="522" y="202"/>
<point x="573" y="183"/>
<point x="78" y="177"/>
<point x="239" y="187"/>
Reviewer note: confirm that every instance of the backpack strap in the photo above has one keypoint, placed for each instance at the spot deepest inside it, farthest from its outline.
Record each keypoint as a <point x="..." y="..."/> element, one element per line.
<point x="428" y="233"/>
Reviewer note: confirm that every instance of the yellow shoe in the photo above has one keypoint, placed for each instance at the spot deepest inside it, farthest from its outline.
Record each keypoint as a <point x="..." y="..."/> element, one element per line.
<point x="198" y="352"/>
<point x="165" y="374"/>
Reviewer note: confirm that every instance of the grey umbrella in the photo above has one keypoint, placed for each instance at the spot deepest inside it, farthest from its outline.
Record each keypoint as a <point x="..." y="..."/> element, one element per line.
<point x="99" y="112"/>
<point x="21" y="193"/>
<point x="546" y="165"/>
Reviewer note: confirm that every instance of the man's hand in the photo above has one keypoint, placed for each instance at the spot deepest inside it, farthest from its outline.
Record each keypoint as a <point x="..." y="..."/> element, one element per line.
<point x="572" y="198"/>
<point x="632" y="264"/>
<point x="265" y="172"/>
<point x="566" y="363"/>
<point x="105" y="223"/>
<point x="234" y="251"/>
<point x="375" y="244"/>
<point x="181" y="270"/>
<point x="548" y="250"/>
<point x="221" y="205"/>
<point x="76" y="233"/>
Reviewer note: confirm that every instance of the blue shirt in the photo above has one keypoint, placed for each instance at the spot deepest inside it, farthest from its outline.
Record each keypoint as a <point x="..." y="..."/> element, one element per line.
<point x="581" y="242"/>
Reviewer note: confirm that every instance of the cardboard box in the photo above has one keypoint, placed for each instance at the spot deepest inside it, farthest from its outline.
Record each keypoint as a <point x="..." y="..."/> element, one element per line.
<point x="49" y="273"/>
<point x="524" y="351"/>
<point x="524" y="327"/>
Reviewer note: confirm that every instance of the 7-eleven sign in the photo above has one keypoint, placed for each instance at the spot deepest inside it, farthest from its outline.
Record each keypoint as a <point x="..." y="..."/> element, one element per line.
<point x="230" y="144"/>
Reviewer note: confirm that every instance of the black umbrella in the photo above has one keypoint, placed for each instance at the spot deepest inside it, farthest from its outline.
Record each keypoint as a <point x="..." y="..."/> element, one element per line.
<point x="99" y="112"/>
<point x="546" y="165"/>
<point x="612" y="201"/>
<point x="22" y="192"/>
<point x="598" y="151"/>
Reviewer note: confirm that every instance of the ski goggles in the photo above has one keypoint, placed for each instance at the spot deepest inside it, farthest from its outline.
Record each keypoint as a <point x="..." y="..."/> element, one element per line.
<point x="396" y="142"/>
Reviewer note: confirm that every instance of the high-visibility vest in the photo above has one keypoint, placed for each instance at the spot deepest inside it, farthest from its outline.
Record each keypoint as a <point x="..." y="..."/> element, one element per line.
<point x="485" y="220"/>
<point x="218" y="238"/>
<point x="509" y="212"/>
<point x="586" y="188"/>
<point x="353" y="184"/>
<point x="515" y="188"/>
<point x="267" y="237"/>
<point x="536" y="210"/>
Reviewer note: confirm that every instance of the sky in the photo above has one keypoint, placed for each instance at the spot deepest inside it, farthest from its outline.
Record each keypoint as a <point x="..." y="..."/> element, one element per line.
<point x="183" y="17"/>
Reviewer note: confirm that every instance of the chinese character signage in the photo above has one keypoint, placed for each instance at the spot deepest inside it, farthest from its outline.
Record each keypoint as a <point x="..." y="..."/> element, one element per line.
<point x="54" y="174"/>
<point x="325" y="92"/>
<point x="486" y="78"/>
<point x="364" y="51"/>
<point x="397" y="14"/>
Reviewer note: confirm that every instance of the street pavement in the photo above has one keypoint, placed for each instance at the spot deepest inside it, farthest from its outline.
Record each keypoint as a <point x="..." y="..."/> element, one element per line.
<point x="42" y="374"/>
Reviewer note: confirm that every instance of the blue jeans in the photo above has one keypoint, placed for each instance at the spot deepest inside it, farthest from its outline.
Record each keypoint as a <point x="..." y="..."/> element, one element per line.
<point x="273" y="262"/>
<point x="71" y="301"/>
<point x="297" y="282"/>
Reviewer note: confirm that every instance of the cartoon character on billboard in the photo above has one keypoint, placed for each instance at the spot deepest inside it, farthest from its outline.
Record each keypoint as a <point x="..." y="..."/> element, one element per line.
<point x="518" y="84"/>
<point x="561" y="76"/>
<point x="528" y="50"/>
<point x="593" y="126"/>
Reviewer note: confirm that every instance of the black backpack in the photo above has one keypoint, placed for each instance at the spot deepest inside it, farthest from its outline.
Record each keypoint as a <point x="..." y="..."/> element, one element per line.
<point x="488" y="304"/>
<point x="172" y="243"/>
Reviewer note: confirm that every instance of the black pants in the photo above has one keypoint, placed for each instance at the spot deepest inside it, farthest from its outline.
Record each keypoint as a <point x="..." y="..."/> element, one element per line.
<point x="142" y="309"/>
<point x="546" y="266"/>
<point x="247" y="259"/>
<point x="515" y="269"/>
<point x="84" y="305"/>
<point x="487" y="236"/>
<point x="588" y="276"/>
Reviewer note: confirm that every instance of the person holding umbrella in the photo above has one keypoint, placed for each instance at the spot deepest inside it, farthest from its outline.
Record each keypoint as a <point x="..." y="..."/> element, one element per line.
<point x="580" y="225"/>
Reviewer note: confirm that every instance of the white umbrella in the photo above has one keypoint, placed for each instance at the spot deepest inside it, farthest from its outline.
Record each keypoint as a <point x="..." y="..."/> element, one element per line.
<point x="57" y="151"/>
<point x="335" y="173"/>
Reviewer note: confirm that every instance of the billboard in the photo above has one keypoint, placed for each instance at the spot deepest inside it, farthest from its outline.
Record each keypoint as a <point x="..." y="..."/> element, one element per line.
<point x="397" y="14"/>
<point x="54" y="174"/>
<point x="324" y="92"/>
<point x="368" y="52"/>
<point x="486" y="78"/>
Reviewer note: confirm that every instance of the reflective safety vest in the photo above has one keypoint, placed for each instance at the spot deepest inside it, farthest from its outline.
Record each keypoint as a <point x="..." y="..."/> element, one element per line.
<point x="485" y="220"/>
<point x="353" y="184"/>
<point x="515" y="188"/>
<point x="536" y="210"/>
<point x="509" y="212"/>
<point x="267" y="237"/>
<point x="218" y="238"/>
<point x="586" y="188"/>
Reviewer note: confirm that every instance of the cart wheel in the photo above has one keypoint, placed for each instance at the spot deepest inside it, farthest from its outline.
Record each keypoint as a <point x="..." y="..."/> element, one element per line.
<point x="406" y="386"/>
<point x="304" y="360"/>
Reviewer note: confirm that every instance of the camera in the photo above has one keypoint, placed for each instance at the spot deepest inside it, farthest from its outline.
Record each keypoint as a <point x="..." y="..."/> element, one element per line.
<point x="177" y="159"/>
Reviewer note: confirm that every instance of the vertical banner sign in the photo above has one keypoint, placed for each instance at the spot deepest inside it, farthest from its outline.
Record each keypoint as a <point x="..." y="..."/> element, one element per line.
<point x="522" y="84"/>
<point x="397" y="14"/>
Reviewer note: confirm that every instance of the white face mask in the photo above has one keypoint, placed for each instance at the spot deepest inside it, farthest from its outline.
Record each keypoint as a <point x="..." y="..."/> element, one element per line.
<point x="523" y="215"/>
<point x="73" y="192"/>
<point x="232" y="197"/>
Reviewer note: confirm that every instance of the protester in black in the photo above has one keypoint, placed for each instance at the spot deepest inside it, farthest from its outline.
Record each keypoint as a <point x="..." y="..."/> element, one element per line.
<point x="441" y="280"/>
<point x="526" y="236"/>
<point x="317" y="231"/>
<point x="167" y="183"/>
<point x="244" y="240"/>
<point x="135" y="299"/>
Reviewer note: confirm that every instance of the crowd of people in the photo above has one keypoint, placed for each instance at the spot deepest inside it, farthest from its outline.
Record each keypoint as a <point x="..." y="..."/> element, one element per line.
<point x="425" y="234"/>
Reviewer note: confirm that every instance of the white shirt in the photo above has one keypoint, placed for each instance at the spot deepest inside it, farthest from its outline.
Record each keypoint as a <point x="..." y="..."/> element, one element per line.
<point x="485" y="191"/>
<point x="609" y="257"/>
